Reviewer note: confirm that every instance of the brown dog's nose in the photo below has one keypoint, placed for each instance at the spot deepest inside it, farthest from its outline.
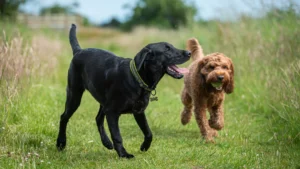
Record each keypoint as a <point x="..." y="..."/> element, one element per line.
<point x="220" y="78"/>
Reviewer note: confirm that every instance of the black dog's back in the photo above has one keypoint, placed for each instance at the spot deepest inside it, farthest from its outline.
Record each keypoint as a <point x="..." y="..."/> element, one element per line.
<point x="93" y="68"/>
<point x="98" y="70"/>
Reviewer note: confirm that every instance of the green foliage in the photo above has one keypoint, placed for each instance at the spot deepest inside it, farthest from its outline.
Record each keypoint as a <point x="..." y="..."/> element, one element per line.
<point x="86" y="21"/>
<point x="9" y="8"/>
<point x="271" y="67"/>
<point x="56" y="9"/>
<point x="282" y="13"/>
<point x="165" y="14"/>
<point x="113" y="23"/>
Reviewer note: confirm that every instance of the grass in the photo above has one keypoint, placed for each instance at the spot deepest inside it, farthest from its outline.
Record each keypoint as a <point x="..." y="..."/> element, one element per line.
<point x="261" y="116"/>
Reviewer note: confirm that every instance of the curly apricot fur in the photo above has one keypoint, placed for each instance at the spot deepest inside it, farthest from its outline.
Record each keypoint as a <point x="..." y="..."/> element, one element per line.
<point x="199" y="93"/>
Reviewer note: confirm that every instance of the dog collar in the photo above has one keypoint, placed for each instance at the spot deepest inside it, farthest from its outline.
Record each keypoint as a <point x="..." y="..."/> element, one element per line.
<point x="137" y="77"/>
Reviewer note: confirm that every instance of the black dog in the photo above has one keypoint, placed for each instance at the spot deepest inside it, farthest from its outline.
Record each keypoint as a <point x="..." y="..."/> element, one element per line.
<point x="120" y="85"/>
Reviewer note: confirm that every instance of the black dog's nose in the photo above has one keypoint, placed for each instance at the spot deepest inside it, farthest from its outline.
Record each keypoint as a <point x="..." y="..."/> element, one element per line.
<point x="187" y="53"/>
<point x="220" y="78"/>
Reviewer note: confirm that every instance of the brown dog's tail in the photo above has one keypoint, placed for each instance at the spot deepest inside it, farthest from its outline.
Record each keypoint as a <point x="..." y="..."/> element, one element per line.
<point x="195" y="48"/>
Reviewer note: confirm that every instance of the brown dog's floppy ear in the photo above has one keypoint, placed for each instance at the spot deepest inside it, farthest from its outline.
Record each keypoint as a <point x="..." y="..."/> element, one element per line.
<point x="140" y="57"/>
<point x="201" y="64"/>
<point x="201" y="71"/>
<point x="230" y="86"/>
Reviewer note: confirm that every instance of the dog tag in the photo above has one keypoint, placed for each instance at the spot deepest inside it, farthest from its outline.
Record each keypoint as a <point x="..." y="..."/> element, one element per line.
<point x="153" y="99"/>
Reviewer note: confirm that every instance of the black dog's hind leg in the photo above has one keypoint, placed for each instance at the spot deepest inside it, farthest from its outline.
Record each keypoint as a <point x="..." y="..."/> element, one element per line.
<point x="74" y="94"/>
<point x="113" y="124"/>
<point x="100" y="124"/>
<point x="143" y="124"/>
<point x="72" y="103"/>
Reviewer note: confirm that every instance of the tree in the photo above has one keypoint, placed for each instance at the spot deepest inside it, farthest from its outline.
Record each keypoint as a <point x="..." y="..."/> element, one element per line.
<point x="167" y="13"/>
<point x="56" y="9"/>
<point x="59" y="9"/>
<point x="9" y="8"/>
<point x="113" y="23"/>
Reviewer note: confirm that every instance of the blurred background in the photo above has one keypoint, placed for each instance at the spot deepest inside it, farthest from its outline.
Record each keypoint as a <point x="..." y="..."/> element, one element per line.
<point x="262" y="37"/>
<point x="126" y="14"/>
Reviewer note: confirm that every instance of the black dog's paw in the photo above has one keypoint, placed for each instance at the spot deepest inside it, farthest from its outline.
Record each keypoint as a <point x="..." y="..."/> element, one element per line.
<point x="107" y="143"/>
<point x="61" y="144"/>
<point x="126" y="155"/>
<point x="145" y="146"/>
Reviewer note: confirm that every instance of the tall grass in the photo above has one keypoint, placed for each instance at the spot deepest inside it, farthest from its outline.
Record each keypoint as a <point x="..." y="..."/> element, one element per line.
<point x="21" y="61"/>
<point x="267" y="58"/>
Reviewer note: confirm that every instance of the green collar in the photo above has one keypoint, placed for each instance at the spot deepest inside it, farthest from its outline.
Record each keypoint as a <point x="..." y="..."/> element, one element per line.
<point x="137" y="77"/>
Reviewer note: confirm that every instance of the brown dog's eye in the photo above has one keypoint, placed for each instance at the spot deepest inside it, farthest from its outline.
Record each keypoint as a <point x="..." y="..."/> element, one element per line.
<point x="224" y="67"/>
<point x="211" y="67"/>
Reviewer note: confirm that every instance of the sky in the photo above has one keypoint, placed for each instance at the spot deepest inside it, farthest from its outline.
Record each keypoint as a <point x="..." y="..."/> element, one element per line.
<point x="100" y="11"/>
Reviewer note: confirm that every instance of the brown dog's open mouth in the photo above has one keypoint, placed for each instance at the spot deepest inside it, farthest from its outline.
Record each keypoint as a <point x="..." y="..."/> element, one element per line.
<point x="217" y="85"/>
<point x="176" y="72"/>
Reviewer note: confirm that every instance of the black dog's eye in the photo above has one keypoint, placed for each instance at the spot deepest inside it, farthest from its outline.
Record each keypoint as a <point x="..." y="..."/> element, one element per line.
<point x="168" y="48"/>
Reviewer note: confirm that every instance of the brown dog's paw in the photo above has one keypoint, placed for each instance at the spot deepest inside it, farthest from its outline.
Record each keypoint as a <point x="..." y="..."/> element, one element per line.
<point x="185" y="117"/>
<point x="209" y="139"/>
<point x="209" y="136"/>
<point x="214" y="133"/>
<point x="215" y="125"/>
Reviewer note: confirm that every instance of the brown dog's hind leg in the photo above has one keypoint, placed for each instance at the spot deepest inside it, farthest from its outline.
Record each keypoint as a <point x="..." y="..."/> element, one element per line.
<point x="186" y="114"/>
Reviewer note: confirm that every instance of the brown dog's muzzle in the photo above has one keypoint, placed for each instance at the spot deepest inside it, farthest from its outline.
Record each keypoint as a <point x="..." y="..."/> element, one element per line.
<point x="216" y="76"/>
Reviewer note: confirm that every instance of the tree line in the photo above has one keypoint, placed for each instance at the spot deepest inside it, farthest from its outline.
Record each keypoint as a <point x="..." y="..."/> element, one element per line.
<point x="170" y="14"/>
<point x="165" y="14"/>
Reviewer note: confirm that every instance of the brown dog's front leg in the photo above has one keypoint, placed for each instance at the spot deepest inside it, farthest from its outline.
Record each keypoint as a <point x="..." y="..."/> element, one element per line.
<point x="216" y="120"/>
<point x="113" y="124"/>
<point x="206" y="131"/>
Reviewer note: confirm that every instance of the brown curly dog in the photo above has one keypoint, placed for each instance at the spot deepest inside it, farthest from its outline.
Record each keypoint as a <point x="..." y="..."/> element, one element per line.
<point x="209" y="78"/>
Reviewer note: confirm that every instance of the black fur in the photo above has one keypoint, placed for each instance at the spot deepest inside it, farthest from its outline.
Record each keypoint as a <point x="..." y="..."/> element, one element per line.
<point x="109" y="79"/>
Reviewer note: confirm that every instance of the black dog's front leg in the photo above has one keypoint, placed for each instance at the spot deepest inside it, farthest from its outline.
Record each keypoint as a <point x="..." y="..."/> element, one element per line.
<point x="100" y="120"/>
<point x="113" y="124"/>
<point x="143" y="124"/>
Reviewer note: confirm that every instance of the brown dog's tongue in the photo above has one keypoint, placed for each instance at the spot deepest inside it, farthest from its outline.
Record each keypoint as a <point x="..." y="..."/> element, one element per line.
<point x="180" y="70"/>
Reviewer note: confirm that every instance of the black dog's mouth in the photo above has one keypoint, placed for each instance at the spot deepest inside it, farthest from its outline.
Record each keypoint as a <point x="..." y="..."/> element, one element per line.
<point x="176" y="72"/>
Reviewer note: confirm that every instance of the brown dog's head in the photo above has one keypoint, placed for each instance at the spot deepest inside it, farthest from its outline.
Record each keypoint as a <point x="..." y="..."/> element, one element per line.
<point x="217" y="71"/>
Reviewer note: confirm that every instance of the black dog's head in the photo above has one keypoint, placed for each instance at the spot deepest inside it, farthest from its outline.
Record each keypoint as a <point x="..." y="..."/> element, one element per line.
<point x="160" y="58"/>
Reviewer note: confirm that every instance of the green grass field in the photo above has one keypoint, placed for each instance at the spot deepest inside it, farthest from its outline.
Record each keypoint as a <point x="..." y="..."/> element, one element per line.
<point x="262" y="128"/>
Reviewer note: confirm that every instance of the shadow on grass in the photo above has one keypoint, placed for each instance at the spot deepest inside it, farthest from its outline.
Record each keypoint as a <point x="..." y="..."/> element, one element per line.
<point x="175" y="133"/>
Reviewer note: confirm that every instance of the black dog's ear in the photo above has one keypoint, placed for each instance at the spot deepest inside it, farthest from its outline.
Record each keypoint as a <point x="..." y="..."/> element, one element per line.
<point x="141" y="61"/>
<point x="140" y="58"/>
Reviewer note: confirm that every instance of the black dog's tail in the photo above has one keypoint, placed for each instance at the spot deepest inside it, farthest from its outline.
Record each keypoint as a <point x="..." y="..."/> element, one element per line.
<point x="73" y="40"/>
